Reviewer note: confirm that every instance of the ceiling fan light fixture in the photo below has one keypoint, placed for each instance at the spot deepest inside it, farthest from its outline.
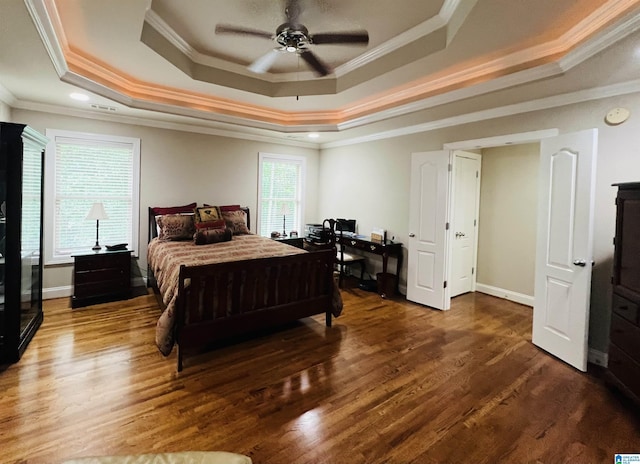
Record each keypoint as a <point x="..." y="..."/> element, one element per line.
<point x="291" y="48"/>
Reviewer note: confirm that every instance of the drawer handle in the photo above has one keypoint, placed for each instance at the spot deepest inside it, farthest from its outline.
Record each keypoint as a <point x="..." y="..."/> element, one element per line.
<point x="373" y="247"/>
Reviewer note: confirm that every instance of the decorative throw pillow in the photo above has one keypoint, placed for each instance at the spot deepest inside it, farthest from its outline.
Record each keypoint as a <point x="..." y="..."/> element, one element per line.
<point x="219" y="224"/>
<point x="207" y="236"/>
<point x="162" y="210"/>
<point x="175" y="226"/>
<point x="207" y="214"/>
<point x="236" y="221"/>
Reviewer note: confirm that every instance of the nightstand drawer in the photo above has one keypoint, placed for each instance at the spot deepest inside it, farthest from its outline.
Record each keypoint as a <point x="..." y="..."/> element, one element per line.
<point x="83" y="277"/>
<point x="101" y="288"/>
<point x="625" y="308"/>
<point x="625" y="335"/>
<point x="101" y="261"/>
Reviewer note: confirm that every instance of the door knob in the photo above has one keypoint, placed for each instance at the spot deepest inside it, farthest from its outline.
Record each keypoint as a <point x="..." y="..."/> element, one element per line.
<point x="412" y="235"/>
<point x="580" y="262"/>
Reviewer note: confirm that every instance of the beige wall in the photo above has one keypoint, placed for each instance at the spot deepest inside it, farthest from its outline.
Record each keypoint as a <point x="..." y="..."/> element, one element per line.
<point x="370" y="181"/>
<point x="507" y="223"/>
<point x="5" y="112"/>
<point x="181" y="167"/>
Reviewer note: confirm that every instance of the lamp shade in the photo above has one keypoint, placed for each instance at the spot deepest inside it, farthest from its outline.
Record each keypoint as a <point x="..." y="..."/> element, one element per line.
<point x="284" y="209"/>
<point x="97" y="212"/>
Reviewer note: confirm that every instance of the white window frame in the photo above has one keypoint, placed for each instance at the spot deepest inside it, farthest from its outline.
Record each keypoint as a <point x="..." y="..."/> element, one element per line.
<point x="301" y="185"/>
<point x="50" y="189"/>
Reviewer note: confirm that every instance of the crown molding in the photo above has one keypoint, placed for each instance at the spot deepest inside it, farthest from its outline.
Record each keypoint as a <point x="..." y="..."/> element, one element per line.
<point x="500" y="83"/>
<point x="596" y="93"/>
<point x="7" y="97"/>
<point x="239" y="132"/>
<point x="198" y="126"/>
<point x="600" y="42"/>
<point x="44" y="15"/>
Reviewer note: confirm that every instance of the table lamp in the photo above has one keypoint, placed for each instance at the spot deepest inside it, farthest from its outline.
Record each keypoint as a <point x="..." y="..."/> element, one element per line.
<point x="284" y="210"/>
<point x="97" y="213"/>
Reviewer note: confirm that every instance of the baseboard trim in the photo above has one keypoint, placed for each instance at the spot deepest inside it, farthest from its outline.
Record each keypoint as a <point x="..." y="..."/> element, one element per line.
<point x="57" y="292"/>
<point x="521" y="298"/>
<point x="598" y="357"/>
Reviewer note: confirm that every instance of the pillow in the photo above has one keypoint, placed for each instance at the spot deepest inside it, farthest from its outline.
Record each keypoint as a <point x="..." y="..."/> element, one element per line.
<point x="219" y="224"/>
<point x="207" y="214"/>
<point x="175" y="226"/>
<point x="207" y="236"/>
<point x="162" y="210"/>
<point x="236" y="221"/>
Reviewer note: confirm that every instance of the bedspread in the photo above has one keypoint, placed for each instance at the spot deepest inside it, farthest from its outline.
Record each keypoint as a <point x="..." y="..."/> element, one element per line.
<point x="166" y="257"/>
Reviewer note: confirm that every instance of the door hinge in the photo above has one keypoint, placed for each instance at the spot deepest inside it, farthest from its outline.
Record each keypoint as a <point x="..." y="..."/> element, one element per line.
<point x="446" y="226"/>
<point x="445" y="284"/>
<point x="476" y="174"/>
<point x="614" y="241"/>
<point x="450" y="167"/>
<point x="473" y="269"/>
<point x="474" y="222"/>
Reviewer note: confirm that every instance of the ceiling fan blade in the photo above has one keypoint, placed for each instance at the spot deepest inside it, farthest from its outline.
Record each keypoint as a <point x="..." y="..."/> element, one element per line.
<point x="356" y="37"/>
<point x="313" y="61"/>
<point x="262" y="64"/>
<point x="224" y="29"/>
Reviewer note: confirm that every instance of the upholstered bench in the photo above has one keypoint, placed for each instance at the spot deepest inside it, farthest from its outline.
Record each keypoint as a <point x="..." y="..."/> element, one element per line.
<point x="186" y="457"/>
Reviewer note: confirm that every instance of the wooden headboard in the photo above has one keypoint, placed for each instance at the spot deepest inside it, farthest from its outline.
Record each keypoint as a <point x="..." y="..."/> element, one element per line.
<point x="153" y="227"/>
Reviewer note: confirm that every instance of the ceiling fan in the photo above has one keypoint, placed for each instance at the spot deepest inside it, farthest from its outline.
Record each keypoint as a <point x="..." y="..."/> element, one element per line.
<point x="293" y="37"/>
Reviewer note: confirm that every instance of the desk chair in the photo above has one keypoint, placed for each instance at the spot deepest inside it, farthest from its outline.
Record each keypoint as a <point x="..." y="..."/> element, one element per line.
<point x="346" y="259"/>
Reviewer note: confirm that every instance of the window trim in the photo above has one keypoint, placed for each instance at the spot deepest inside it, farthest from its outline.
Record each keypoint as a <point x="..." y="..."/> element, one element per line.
<point x="302" y="160"/>
<point x="50" y="188"/>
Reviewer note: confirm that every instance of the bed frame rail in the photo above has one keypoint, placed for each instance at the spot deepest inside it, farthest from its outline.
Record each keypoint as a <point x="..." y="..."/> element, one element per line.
<point x="223" y="300"/>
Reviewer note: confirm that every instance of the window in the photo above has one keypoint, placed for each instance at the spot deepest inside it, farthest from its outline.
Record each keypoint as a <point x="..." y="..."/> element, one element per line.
<point x="280" y="193"/>
<point x="81" y="169"/>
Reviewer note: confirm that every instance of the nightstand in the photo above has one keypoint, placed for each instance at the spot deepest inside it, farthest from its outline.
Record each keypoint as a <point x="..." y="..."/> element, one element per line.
<point x="102" y="276"/>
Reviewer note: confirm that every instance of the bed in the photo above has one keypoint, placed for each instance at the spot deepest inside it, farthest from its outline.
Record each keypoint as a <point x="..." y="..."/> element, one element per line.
<point x="216" y="291"/>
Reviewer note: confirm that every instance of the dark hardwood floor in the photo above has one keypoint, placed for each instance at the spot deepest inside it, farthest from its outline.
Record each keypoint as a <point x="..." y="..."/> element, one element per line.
<point x="391" y="382"/>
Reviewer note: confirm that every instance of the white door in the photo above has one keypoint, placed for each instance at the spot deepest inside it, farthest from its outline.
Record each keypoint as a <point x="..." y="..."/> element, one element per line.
<point x="464" y="221"/>
<point x="426" y="267"/>
<point x="564" y="246"/>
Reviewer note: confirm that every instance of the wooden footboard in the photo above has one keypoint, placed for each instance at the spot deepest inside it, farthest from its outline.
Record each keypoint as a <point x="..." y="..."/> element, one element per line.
<point x="220" y="301"/>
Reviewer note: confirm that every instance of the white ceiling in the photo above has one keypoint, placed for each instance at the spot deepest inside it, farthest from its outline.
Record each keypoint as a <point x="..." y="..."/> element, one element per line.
<point x="160" y="61"/>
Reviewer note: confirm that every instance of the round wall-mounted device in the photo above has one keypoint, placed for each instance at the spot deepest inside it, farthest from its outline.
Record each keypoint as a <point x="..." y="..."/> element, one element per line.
<point x="617" y="116"/>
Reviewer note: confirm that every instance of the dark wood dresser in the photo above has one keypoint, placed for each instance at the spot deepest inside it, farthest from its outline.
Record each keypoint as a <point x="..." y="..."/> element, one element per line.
<point x="624" y="347"/>
<point x="99" y="277"/>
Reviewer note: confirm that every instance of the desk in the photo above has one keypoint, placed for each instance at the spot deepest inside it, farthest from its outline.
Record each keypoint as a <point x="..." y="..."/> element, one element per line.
<point x="297" y="242"/>
<point x="385" y="249"/>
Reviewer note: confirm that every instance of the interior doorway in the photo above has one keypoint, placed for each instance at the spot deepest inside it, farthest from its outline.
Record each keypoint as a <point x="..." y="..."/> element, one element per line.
<point x="465" y="205"/>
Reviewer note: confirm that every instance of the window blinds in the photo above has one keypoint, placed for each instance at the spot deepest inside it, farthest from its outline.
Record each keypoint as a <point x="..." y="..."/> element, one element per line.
<point x="87" y="171"/>
<point x="280" y="194"/>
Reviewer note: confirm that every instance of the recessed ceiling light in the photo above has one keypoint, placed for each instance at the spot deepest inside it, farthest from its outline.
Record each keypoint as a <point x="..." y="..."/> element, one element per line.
<point x="79" y="96"/>
<point x="313" y="135"/>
